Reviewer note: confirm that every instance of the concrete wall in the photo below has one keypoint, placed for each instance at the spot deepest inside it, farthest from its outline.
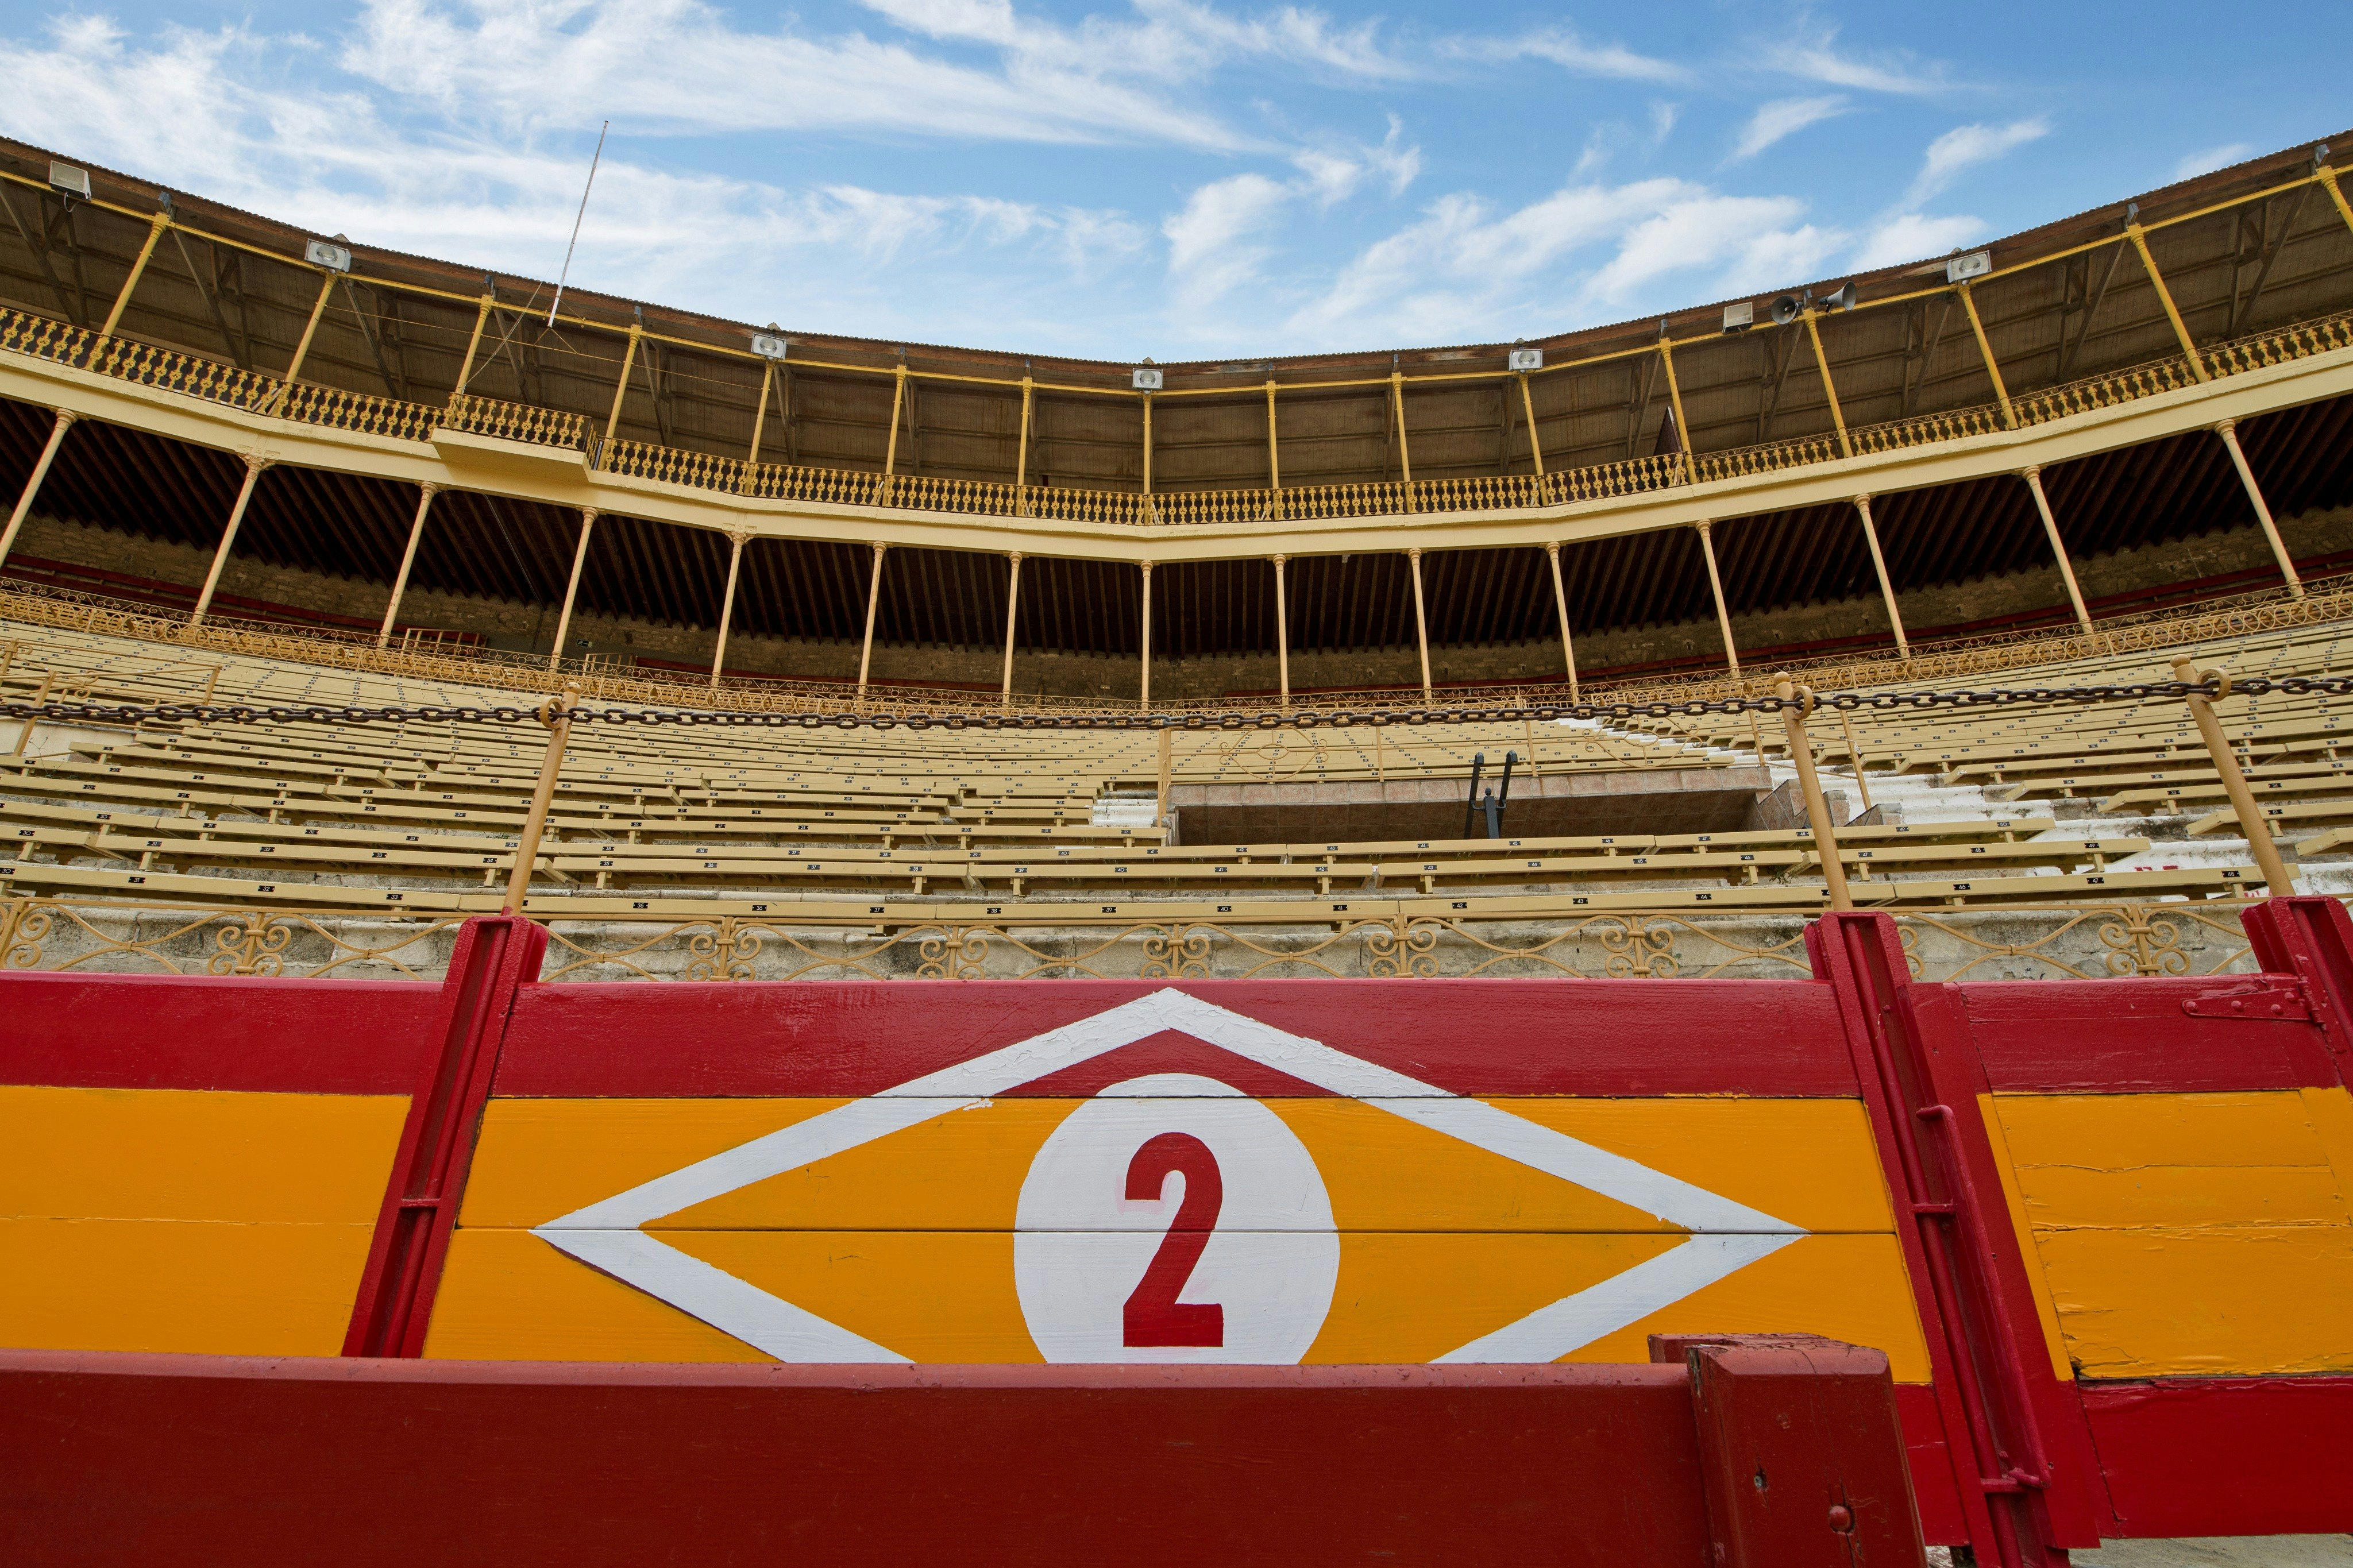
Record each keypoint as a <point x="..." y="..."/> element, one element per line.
<point x="511" y="625"/>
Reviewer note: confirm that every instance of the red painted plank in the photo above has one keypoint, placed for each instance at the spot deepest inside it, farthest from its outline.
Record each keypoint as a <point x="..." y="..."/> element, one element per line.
<point x="1470" y="1037"/>
<point x="2123" y="1037"/>
<point x="2226" y="1456"/>
<point x="150" y="1031"/>
<point x="164" y="1461"/>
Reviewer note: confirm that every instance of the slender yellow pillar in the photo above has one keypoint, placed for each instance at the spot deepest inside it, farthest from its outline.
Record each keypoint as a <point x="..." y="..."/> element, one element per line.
<point x="890" y="446"/>
<point x="33" y="485"/>
<point x="727" y="605"/>
<point x="2328" y="176"/>
<point x="1144" y="696"/>
<point x="1421" y="621"/>
<point x="874" y="599"/>
<point x="407" y="559"/>
<point x="2034" y="478"/>
<point x="2164" y="297"/>
<point x="155" y="228"/>
<point x="1879" y="564"/>
<point x="1985" y="351"/>
<point x="1560" y="602"/>
<point x="466" y="367"/>
<point x="1021" y="452"/>
<point x="1273" y="459"/>
<point x="2229" y="431"/>
<point x="303" y="347"/>
<point x="1012" y="605"/>
<point x="1281" y="633"/>
<point x="1715" y="587"/>
<point x="1147" y="443"/>
<point x="620" y="390"/>
<point x="1528" y="407"/>
<point x="572" y="586"/>
<point x="759" y="422"/>
<point x="1405" y="451"/>
<point x="1830" y="387"/>
<point x="253" y="467"/>
<point x="1675" y="402"/>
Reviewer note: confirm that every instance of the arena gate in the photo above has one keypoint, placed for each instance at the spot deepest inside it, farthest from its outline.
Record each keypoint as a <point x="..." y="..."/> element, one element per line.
<point x="2098" y="1230"/>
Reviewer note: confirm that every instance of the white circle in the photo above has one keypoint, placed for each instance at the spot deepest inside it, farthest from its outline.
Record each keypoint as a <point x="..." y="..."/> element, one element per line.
<point x="1081" y="1246"/>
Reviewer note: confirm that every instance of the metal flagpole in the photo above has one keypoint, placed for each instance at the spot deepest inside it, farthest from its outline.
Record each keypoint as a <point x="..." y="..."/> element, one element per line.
<point x="565" y="275"/>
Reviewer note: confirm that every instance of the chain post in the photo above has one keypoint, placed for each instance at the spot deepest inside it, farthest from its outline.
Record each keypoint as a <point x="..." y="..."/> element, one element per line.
<point x="1799" y="701"/>
<point x="557" y="716"/>
<point x="2234" y="783"/>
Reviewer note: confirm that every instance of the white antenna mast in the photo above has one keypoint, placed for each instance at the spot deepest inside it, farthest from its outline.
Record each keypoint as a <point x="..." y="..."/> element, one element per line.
<point x="566" y="274"/>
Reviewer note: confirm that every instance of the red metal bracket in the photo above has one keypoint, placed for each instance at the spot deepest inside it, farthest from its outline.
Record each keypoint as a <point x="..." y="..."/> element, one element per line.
<point x="2312" y="938"/>
<point x="494" y="956"/>
<point x="2265" y="1004"/>
<point x="2006" y="1420"/>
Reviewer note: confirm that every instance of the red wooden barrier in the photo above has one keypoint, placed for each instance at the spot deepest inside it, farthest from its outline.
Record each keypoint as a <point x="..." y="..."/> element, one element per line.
<point x="1777" y="1455"/>
<point x="2099" y="1229"/>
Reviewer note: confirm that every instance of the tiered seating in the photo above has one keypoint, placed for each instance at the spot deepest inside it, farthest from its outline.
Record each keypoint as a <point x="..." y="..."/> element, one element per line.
<point x="847" y="824"/>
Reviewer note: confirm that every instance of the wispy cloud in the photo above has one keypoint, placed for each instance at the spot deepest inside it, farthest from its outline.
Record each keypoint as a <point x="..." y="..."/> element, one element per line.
<point x="1782" y="118"/>
<point x="2212" y="158"/>
<point x="1963" y="148"/>
<point x="1914" y="237"/>
<point x="1897" y="73"/>
<point x="1569" y="51"/>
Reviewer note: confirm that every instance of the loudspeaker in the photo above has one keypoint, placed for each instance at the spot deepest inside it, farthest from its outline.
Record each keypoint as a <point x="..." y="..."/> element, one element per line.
<point x="1841" y="300"/>
<point x="1786" y="309"/>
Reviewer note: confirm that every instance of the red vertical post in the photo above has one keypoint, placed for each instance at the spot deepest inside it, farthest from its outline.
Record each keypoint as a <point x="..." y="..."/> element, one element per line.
<point x="2312" y="938"/>
<point x="2029" y="1487"/>
<point x="495" y="956"/>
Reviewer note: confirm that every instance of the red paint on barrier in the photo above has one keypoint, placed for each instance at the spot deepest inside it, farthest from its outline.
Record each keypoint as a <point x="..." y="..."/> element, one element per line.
<point x="2125" y="1036"/>
<point x="2225" y="1455"/>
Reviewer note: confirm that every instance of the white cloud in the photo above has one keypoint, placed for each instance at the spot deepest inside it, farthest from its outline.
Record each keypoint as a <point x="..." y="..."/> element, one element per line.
<point x="1887" y="73"/>
<point x="2212" y="158"/>
<point x="1210" y="252"/>
<point x="1782" y="118"/>
<point x="1564" y="48"/>
<point x="1963" y="148"/>
<point x="1914" y="237"/>
<point x="1662" y="122"/>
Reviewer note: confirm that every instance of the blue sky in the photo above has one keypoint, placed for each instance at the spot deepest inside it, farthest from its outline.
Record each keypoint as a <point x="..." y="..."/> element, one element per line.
<point x="1178" y="178"/>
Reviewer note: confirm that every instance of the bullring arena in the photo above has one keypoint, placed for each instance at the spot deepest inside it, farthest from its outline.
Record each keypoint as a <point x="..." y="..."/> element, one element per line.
<point x="730" y="862"/>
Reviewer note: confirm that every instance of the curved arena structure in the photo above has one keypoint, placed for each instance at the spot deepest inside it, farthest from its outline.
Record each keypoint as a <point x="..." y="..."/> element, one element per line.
<point x="2121" y="413"/>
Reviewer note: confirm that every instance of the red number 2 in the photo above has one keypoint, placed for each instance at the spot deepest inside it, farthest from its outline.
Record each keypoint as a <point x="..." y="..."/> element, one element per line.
<point x="1154" y="1315"/>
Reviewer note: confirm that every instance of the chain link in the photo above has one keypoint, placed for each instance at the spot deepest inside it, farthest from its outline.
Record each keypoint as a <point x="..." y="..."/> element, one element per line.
<point x="1846" y="702"/>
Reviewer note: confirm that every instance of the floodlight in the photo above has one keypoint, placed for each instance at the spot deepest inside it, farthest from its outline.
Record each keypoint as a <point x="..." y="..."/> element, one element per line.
<point x="1144" y="379"/>
<point x="1739" y="318"/>
<point x="767" y="347"/>
<point x="1524" y="360"/>
<point x="73" y="182"/>
<point x="333" y="258"/>
<point x="1961" y="268"/>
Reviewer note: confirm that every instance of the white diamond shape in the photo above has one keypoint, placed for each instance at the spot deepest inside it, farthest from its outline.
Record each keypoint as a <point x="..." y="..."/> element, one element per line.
<point x="1725" y="1235"/>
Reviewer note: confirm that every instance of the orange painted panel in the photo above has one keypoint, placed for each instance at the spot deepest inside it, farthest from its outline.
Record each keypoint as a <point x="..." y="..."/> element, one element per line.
<point x="2186" y="1234"/>
<point x="208" y="1221"/>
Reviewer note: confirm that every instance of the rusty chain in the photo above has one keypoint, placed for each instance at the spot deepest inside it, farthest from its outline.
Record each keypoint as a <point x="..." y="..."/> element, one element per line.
<point x="1845" y="702"/>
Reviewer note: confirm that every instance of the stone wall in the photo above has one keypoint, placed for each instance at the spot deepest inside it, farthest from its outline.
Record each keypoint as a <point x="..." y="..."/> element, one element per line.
<point x="509" y="624"/>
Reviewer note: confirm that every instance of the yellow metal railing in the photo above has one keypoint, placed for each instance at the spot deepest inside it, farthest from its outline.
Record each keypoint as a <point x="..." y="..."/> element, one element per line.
<point x="122" y="359"/>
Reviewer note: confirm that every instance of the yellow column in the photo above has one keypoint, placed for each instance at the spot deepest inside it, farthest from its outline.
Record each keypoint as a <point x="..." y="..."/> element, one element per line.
<point x="873" y="598"/>
<point x="302" y="348"/>
<point x="2164" y="297"/>
<point x="1675" y="402"/>
<point x="155" y="228"/>
<point x="1147" y="443"/>
<point x="1021" y="454"/>
<point x="1528" y="406"/>
<point x="1012" y="602"/>
<point x="253" y="467"/>
<point x="727" y="605"/>
<point x="759" y="422"/>
<point x="407" y="560"/>
<point x="1143" y="696"/>
<point x="891" y="448"/>
<point x="1281" y="633"/>
<point x="1879" y="564"/>
<point x="572" y="586"/>
<point x="466" y="367"/>
<point x="33" y="485"/>
<point x="2229" y="431"/>
<point x="1273" y="459"/>
<point x="1405" y="452"/>
<point x="2034" y="478"/>
<point x="620" y="390"/>
<point x="1715" y="587"/>
<point x="1420" y="622"/>
<point x="2327" y="177"/>
<point x="1560" y="602"/>
<point x="1985" y="349"/>
<point x="1830" y="387"/>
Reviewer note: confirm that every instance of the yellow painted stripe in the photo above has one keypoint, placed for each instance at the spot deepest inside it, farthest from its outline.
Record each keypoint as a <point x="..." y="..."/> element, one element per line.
<point x="2046" y="1312"/>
